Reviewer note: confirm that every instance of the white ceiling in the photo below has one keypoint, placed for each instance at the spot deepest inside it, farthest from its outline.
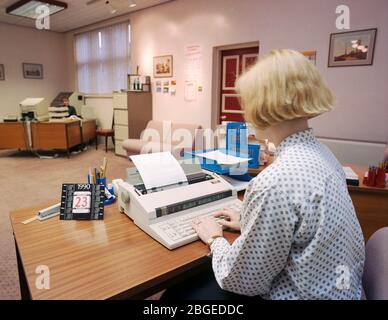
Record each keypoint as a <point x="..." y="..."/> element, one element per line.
<point x="78" y="14"/>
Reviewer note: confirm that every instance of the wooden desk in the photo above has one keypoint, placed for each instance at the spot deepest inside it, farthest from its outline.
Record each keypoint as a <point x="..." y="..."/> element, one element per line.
<point x="13" y="135"/>
<point x="113" y="258"/>
<point x="89" y="128"/>
<point x="371" y="204"/>
<point x="47" y="135"/>
<point x="62" y="135"/>
<point x="105" y="259"/>
<point x="56" y="135"/>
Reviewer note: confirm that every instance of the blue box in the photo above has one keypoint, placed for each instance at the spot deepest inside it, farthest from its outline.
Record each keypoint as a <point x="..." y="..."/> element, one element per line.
<point x="213" y="166"/>
<point x="254" y="153"/>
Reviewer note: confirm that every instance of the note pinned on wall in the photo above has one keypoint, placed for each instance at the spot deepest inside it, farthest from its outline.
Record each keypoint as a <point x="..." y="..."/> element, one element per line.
<point x="190" y="91"/>
<point x="192" y="70"/>
<point x="173" y="87"/>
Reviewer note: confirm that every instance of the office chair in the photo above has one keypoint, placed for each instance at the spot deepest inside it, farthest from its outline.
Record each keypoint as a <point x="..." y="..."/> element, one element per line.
<point x="375" y="278"/>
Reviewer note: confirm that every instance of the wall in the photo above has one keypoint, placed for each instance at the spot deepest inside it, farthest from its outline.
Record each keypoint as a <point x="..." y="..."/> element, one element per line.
<point x="362" y="108"/>
<point x="102" y="109"/>
<point x="18" y="45"/>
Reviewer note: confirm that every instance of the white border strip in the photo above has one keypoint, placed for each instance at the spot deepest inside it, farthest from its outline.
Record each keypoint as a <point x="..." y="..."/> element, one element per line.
<point x="224" y="70"/>
<point x="230" y="95"/>
<point x="250" y="55"/>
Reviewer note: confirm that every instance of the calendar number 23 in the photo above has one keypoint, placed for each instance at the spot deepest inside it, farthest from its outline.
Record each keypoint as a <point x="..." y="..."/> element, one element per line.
<point x="81" y="202"/>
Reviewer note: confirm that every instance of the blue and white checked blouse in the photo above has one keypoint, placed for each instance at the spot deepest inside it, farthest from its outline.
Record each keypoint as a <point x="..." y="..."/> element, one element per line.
<point x="300" y="237"/>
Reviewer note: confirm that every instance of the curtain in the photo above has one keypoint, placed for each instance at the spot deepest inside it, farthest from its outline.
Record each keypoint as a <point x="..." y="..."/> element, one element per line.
<point x="103" y="59"/>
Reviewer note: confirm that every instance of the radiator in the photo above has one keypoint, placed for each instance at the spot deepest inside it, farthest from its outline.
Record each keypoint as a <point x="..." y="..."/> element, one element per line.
<point x="359" y="153"/>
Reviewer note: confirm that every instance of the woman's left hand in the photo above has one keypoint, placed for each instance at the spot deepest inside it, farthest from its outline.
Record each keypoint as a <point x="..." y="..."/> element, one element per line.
<point x="207" y="228"/>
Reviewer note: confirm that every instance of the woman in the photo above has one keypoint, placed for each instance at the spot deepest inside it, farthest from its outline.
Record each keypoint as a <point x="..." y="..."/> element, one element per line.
<point x="300" y="237"/>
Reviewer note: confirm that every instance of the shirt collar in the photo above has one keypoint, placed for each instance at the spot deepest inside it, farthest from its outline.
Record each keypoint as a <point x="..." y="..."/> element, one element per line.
<point x="296" y="138"/>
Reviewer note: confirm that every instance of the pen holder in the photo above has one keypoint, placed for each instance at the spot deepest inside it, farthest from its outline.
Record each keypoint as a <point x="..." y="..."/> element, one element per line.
<point x="371" y="179"/>
<point x="380" y="178"/>
<point x="101" y="181"/>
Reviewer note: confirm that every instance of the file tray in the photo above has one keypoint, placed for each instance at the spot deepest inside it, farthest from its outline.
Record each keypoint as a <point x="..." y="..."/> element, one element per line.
<point x="213" y="166"/>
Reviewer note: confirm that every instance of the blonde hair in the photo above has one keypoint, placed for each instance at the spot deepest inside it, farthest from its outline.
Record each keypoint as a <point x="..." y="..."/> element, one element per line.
<point x="284" y="85"/>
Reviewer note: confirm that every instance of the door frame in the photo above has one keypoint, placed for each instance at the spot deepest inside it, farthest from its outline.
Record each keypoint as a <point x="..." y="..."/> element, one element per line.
<point x="216" y="77"/>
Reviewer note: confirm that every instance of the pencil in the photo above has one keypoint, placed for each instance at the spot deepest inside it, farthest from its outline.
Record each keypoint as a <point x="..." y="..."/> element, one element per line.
<point x="104" y="165"/>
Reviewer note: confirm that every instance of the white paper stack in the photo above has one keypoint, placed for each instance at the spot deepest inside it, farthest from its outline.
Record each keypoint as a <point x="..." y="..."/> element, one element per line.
<point x="159" y="169"/>
<point x="223" y="159"/>
<point x="351" y="176"/>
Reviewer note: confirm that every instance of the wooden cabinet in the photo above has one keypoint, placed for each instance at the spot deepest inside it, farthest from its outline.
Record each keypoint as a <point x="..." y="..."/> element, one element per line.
<point x="132" y="112"/>
<point x="139" y="113"/>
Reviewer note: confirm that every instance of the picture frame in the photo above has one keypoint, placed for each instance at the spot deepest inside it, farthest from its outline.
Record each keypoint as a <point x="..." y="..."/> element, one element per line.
<point x="352" y="48"/>
<point x="32" y="71"/>
<point x="2" y="72"/>
<point x="163" y="66"/>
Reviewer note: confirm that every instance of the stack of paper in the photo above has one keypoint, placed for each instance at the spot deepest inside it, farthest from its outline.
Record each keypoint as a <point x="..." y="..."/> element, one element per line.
<point x="159" y="169"/>
<point x="223" y="159"/>
<point x="351" y="176"/>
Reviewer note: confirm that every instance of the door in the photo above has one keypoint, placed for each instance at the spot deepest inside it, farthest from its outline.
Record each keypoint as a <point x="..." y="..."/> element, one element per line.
<point x="234" y="63"/>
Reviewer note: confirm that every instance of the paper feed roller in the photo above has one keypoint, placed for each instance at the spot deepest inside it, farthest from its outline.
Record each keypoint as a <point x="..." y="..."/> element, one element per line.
<point x="193" y="172"/>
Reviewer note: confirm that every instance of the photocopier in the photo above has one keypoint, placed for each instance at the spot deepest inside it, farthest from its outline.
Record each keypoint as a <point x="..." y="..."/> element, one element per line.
<point x="166" y="212"/>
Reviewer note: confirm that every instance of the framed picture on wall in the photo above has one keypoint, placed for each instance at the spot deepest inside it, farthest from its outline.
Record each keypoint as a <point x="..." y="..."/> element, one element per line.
<point x="354" y="48"/>
<point x="2" y="72"/>
<point x="163" y="66"/>
<point x="32" y="71"/>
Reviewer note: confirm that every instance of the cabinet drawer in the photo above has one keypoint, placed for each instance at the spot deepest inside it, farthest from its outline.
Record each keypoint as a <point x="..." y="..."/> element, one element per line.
<point x="121" y="117"/>
<point x="120" y="101"/>
<point x="121" y="132"/>
<point x="119" y="148"/>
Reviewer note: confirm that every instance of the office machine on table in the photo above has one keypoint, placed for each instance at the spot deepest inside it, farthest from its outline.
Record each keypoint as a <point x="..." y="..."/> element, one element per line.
<point x="58" y="112"/>
<point x="166" y="212"/>
<point x="82" y="202"/>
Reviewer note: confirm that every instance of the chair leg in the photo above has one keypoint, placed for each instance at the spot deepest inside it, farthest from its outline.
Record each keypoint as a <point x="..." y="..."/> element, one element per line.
<point x="96" y="142"/>
<point x="106" y="144"/>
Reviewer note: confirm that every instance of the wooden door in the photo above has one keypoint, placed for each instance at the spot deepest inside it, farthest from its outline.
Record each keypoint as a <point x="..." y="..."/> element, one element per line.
<point x="234" y="63"/>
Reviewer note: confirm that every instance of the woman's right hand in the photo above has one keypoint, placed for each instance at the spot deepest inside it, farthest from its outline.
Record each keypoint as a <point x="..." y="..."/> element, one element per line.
<point x="231" y="219"/>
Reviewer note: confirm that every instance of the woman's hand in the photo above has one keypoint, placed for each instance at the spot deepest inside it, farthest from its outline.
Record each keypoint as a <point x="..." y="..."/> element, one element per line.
<point x="232" y="219"/>
<point x="207" y="228"/>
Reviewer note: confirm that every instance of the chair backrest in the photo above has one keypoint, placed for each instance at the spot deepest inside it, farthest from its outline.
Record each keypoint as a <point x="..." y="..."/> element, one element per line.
<point x="184" y="134"/>
<point x="167" y="132"/>
<point x="154" y="131"/>
<point x="375" y="278"/>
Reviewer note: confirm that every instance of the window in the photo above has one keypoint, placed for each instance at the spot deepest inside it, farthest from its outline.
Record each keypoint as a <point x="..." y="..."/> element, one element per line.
<point x="103" y="59"/>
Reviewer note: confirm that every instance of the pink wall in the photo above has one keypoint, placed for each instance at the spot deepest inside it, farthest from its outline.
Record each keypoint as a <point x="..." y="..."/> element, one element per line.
<point x="18" y="45"/>
<point x="298" y="24"/>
